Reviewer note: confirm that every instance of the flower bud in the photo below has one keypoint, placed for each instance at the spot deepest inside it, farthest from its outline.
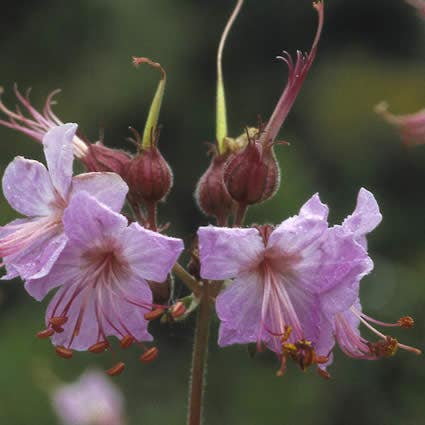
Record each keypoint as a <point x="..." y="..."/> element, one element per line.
<point x="101" y="158"/>
<point x="149" y="177"/>
<point x="252" y="176"/>
<point x="211" y="194"/>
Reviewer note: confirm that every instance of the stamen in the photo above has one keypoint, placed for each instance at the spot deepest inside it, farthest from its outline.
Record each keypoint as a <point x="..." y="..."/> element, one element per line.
<point x="45" y="334"/>
<point x="149" y="355"/>
<point x="127" y="341"/>
<point x="116" y="369"/>
<point x="58" y="320"/>
<point x="177" y="310"/>
<point x="63" y="352"/>
<point x="99" y="347"/>
<point x="154" y="314"/>
<point x="406" y="322"/>
<point x="324" y="373"/>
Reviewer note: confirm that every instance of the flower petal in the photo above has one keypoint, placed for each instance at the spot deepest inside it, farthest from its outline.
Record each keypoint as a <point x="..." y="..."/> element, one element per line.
<point x="108" y="188"/>
<point x="37" y="245"/>
<point x="89" y="223"/>
<point x="365" y="217"/>
<point x="59" y="152"/>
<point x="27" y="187"/>
<point x="225" y="252"/>
<point x="65" y="270"/>
<point x="344" y="264"/>
<point x="315" y="208"/>
<point x="239" y="309"/>
<point x="150" y="255"/>
<point x="98" y="311"/>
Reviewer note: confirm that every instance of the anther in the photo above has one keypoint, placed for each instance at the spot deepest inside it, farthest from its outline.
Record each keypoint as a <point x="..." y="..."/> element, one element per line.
<point x="58" y="321"/>
<point x="63" y="352"/>
<point x="57" y="329"/>
<point x="321" y="359"/>
<point x="126" y="342"/>
<point x="116" y="370"/>
<point x="177" y="310"/>
<point x="287" y="333"/>
<point x="149" y="355"/>
<point x="46" y="333"/>
<point x="324" y="373"/>
<point x="154" y="314"/>
<point x="99" y="347"/>
<point x="406" y="322"/>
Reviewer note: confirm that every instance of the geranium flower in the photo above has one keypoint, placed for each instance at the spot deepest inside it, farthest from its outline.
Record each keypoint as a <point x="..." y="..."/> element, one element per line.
<point x="277" y="295"/>
<point x="103" y="273"/>
<point x="410" y="126"/>
<point x="345" y="324"/>
<point x="91" y="400"/>
<point x="30" y="246"/>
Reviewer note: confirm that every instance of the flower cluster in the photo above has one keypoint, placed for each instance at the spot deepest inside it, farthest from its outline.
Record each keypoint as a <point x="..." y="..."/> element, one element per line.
<point x="291" y="288"/>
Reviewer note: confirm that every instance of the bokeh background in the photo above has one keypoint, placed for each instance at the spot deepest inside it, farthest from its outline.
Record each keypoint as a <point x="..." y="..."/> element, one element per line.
<point x="370" y="51"/>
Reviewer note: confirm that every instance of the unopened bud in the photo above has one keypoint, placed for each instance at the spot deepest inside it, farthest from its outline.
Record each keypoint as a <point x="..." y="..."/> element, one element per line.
<point x="101" y="158"/>
<point x="149" y="177"/>
<point x="211" y="194"/>
<point x="252" y="176"/>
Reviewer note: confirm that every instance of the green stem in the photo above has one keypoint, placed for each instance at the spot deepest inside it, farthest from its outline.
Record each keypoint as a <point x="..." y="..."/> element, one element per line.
<point x="199" y="358"/>
<point x="187" y="279"/>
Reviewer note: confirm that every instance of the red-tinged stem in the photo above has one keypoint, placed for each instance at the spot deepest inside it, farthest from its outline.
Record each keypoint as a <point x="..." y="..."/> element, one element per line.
<point x="151" y="209"/>
<point x="240" y="215"/>
<point x="199" y="358"/>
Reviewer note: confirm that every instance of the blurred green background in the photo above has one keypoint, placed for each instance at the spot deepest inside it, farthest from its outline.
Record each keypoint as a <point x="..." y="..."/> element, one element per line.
<point x="371" y="50"/>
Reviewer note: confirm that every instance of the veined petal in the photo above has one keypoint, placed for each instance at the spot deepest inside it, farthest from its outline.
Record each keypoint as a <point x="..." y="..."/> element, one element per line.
<point x="150" y="254"/>
<point x="87" y="222"/>
<point x="108" y="188"/>
<point x="365" y="217"/>
<point x="33" y="247"/>
<point x="345" y="263"/>
<point x="65" y="271"/>
<point x="27" y="187"/>
<point x="225" y="252"/>
<point x="58" y="149"/>
<point x="239" y="309"/>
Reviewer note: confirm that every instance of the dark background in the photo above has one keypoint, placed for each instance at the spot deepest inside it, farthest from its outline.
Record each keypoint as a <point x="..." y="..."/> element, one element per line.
<point x="371" y="50"/>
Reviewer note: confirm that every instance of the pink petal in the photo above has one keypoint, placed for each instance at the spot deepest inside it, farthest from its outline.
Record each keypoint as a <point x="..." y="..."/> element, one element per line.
<point x="150" y="254"/>
<point x="345" y="263"/>
<point x="108" y="188"/>
<point x="365" y="217"/>
<point x="65" y="270"/>
<point x="239" y="309"/>
<point x="27" y="187"/>
<point x="88" y="223"/>
<point x="59" y="152"/>
<point x="225" y="252"/>
<point x="315" y="208"/>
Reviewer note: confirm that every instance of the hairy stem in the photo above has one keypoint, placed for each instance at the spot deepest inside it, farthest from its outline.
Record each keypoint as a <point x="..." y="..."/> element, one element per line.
<point x="187" y="278"/>
<point x="199" y="357"/>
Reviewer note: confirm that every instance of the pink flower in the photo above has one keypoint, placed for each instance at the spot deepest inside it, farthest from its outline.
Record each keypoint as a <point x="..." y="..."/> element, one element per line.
<point x="30" y="246"/>
<point x="92" y="400"/>
<point x="419" y="5"/>
<point x="37" y="124"/>
<point x="345" y="324"/>
<point x="283" y="278"/>
<point x="102" y="274"/>
<point x="410" y="126"/>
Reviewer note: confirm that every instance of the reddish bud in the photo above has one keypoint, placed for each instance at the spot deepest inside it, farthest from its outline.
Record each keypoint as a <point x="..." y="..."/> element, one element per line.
<point x="252" y="176"/>
<point x="149" y="177"/>
<point x="116" y="370"/>
<point x="211" y="194"/>
<point x="149" y="355"/>
<point x="101" y="158"/>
